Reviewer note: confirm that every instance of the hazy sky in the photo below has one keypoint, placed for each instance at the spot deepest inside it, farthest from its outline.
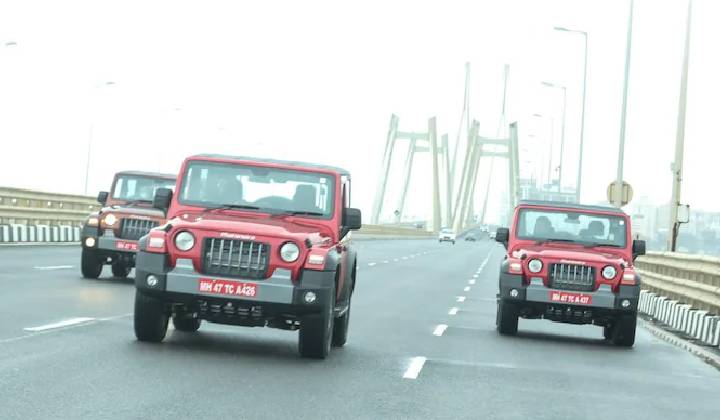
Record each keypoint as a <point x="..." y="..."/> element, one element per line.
<point x="318" y="81"/>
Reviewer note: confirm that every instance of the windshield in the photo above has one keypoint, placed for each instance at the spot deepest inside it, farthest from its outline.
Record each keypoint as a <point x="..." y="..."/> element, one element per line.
<point x="594" y="229"/>
<point x="139" y="188"/>
<point x="253" y="188"/>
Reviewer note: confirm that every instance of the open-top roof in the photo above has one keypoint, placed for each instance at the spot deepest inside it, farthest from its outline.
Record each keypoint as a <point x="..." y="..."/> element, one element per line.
<point x="297" y="164"/>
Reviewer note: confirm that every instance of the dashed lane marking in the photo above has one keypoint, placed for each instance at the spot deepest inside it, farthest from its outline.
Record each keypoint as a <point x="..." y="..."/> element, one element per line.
<point x="416" y="365"/>
<point x="439" y="330"/>
<point x="476" y="276"/>
<point x="53" y="267"/>
<point x="461" y="298"/>
<point x="385" y="262"/>
<point x="453" y="311"/>
<point x="371" y="264"/>
<point x="471" y="281"/>
<point x="61" y="324"/>
<point x="396" y="260"/>
<point x="466" y="289"/>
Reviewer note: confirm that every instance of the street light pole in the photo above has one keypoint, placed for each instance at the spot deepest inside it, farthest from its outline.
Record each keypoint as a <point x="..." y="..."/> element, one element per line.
<point x="623" y="116"/>
<point x="578" y="184"/>
<point x="562" y="130"/>
<point x="677" y="166"/>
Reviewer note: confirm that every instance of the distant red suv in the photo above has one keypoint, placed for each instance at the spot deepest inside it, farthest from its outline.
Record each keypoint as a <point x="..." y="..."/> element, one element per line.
<point x="570" y="263"/>
<point x="110" y="236"/>
<point x="251" y="242"/>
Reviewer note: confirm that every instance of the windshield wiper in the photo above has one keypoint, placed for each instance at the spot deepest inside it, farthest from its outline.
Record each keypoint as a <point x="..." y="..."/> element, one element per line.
<point x="544" y="241"/>
<point x="230" y="207"/>
<point x="301" y="213"/>
<point x="594" y="244"/>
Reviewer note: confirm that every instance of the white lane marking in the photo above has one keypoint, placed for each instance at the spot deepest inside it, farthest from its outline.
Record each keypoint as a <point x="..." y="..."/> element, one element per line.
<point x="385" y="262"/>
<point x="36" y="333"/>
<point x="466" y="289"/>
<point x="53" y="267"/>
<point x="396" y="260"/>
<point x="404" y="258"/>
<point x="476" y="276"/>
<point x="61" y="324"/>
<point x="471" y="281"/>
<point x="461" y="298"/>
<point x="453" y="311"/>
<point x="416" y="365"/>
<point x="371" y="264"/>
<point x="439" y="330"/>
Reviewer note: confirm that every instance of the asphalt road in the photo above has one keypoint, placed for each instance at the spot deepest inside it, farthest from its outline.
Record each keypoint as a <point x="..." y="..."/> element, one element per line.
<point x="400" y="362"/>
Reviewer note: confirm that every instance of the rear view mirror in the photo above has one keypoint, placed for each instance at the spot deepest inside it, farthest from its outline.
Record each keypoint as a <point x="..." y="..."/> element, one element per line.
<point x="638" y="248"/>
<point x="502" y="235"/>
<point x="352" y="219"/>
<point x="162" y="198"/>
<point x="102" y="197"/>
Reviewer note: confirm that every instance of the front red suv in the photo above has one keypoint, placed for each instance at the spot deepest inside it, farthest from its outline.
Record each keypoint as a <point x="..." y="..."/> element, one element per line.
<point x="570" y="263"/>
<point x="251" y="242"/>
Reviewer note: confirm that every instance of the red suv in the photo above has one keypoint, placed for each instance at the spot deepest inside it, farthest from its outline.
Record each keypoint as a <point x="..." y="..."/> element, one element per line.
<point x="570" y="263"/>
<point x="110" y="235"/>
<point x="251" y="242"/>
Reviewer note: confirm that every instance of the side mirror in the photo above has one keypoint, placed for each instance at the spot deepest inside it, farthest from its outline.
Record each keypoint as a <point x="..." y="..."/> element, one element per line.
<point x="502" y="235"/>
<point x="102" y="197"/>
<point x="162" y="198"/>
<point x="352" y="219"/>
<point x="638" y="248"/>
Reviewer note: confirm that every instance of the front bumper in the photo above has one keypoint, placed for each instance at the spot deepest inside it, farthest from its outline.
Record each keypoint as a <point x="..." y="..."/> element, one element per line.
<point x="180" y="284"/>
<point x="108" y="241"/>
<point x="537" y="293"/>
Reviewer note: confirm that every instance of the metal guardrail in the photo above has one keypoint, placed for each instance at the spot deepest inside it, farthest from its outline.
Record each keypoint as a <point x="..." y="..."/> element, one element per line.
<point x="27" y="207"/>
<point x="384" y="230"/>
<point x="688" y="279"/>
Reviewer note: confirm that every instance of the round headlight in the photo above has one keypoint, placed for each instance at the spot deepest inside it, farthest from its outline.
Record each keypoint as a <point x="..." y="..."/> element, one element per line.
<point x="609" y="272"/>
<point x="110" y="219"/>
<point x="184" y="241"/>
<point x="289" y="252"/>
<point x="535" y="266"/>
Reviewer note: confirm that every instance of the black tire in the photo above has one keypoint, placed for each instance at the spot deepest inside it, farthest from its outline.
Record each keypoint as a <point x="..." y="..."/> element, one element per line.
<point x="453" y="242"/>
<point x="624" y="330"/>
<point x="90" y="264"/>
<point x="607" y="332"/>
<point x="507" y="318"/>
<point x="340" y="327"/>
<point x="151" y="318"/>
<point x="120" y="269"/>
<point x="186" y="324"/>
<point x="316" y="332"/>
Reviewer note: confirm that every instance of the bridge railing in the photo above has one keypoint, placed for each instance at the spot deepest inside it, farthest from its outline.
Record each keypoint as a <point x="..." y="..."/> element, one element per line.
<point x="27" y="207"/>
<point x="682" y="291"/>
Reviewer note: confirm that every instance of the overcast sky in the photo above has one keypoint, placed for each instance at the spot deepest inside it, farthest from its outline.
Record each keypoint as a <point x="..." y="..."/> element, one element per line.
<point x="318" y="81"/>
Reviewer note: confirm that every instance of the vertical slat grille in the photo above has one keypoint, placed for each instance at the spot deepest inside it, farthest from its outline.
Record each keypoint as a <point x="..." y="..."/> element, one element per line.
<point x="235" y="258"/>
<point x="134" y="229"/>
<point x="572" y="277"/>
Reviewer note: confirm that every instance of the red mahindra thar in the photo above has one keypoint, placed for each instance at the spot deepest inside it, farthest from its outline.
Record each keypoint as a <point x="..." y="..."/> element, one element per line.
<point x="570" y="263"/>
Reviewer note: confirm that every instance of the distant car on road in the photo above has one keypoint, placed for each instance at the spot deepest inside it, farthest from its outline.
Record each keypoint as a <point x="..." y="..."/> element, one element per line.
<point x="573" y="264"/>
<point x="447" y="235"/>
<point x="470" y="237"/>
<point x="251" y="242"/>
<point x="109" y="237"/>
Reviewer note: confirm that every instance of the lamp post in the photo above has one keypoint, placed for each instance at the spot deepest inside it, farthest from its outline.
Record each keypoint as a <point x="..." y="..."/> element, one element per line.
<point x="677" y="166"/>
<point x="623" y="115"/>
<point x="562" y="129"/>
<point x="90" y="137"/>
<point x="582" y="114"/>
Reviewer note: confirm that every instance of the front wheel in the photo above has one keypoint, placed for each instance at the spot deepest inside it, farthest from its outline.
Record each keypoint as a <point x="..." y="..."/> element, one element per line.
<point x="507" y="318"/>
<point x="151" y="318"/>
<point x="186" y="324"/>
<point x="90" y="264"/>
<point x="120" y="269"/>
<point x="340" y="327"/>
<point x="316" y="331"/>
<point x="624" y="330"/>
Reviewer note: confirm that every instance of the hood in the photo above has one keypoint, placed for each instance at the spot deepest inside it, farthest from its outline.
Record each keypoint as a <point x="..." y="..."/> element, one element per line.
<point x="588" y="255"/>
<point x="134" y="210"/>
<point x="235" y="225"/>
